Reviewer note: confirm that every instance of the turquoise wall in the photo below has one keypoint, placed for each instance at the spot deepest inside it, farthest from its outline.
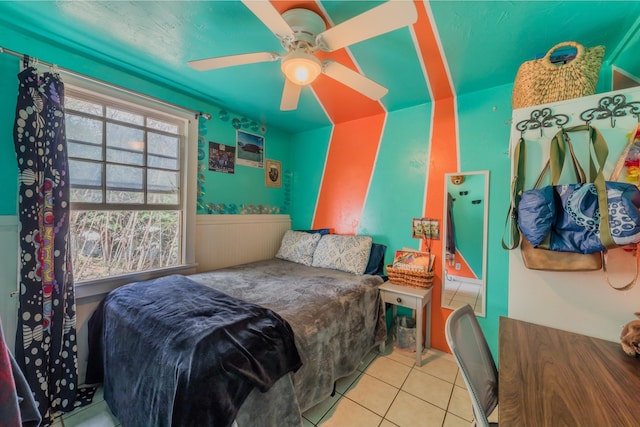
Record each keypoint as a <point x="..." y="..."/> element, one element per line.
<point x="397" y="187"/>
<point x="484" y="129"/>
<point x="246" y="186"/>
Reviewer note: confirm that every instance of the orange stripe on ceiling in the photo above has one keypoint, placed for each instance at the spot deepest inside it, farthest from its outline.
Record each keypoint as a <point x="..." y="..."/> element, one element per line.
<point x="443" y="152"/>
<point x="431" y="55"/>
<point x="347" y="172"/>
<point x="339" y="101"/>
<point x="359" y="122"/>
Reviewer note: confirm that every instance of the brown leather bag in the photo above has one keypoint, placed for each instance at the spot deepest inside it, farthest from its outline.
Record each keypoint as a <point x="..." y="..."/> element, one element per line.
<point x="544" y="259"/>
<point x="539" y="258"/>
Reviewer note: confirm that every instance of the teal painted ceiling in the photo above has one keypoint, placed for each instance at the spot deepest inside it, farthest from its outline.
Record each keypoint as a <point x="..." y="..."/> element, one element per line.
<point x="484" y="42"/>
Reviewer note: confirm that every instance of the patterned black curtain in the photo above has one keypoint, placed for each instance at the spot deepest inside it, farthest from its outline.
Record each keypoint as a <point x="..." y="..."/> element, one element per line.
<point x="46" y="336"/>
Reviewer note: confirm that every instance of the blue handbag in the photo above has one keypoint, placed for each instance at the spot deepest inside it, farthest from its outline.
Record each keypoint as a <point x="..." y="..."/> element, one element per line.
<point x="585" y="217"/>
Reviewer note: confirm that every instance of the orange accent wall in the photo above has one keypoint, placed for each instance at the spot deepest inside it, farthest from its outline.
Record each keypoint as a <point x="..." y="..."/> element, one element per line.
<point x="348" y="170"/>
<point x="443" y="155"/>
<point x="353" y="146"/>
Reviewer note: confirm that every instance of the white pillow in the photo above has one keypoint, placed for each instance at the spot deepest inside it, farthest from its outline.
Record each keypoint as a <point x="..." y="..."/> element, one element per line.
<point x="298" y="246"/>
<point x="345" y="253"/>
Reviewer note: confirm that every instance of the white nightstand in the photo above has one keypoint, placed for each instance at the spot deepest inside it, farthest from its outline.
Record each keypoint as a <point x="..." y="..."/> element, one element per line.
<point x="416" y="299"/>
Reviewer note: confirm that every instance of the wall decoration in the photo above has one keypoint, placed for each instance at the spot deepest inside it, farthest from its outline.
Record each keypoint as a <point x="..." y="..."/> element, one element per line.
<point x="273" y="173"/>
<point x="250" y="149"/>
<point x="243" y="209"/>
<point x="425" y="228"/>
<point x="221" y="157"/>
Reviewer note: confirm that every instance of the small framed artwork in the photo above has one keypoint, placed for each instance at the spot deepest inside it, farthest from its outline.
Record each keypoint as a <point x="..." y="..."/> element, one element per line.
<point x="221" y="157"/>
<point x="416" y="229"/>
<point x="273" y="173"/>
<point x="425" y="228"/>
<point x="250" y="149"/>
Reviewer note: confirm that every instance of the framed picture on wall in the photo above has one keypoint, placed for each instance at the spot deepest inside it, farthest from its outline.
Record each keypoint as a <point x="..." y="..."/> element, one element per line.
<point x="273" y="173"/>
<point x="250" y="149"/>
<point x="222" y="157"/>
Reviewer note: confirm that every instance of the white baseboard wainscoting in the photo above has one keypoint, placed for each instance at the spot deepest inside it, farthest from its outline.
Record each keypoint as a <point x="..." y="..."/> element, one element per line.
<point x="226" y="240"/>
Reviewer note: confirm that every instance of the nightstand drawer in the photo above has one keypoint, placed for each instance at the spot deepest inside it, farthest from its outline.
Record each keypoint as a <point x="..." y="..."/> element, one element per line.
<point x="396" y="298"/>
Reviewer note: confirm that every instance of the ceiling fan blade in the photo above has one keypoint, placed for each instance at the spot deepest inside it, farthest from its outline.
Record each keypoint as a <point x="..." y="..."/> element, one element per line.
<point x="354" y="80"/>
<point x="270" y="17"/>
<point x="232" y="60"/>
<point x="290" y="95"/>
<point x="387" y="17"/>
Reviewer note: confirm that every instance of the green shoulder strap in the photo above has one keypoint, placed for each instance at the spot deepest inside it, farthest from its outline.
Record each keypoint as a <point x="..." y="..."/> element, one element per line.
<point x="517" y="186"/>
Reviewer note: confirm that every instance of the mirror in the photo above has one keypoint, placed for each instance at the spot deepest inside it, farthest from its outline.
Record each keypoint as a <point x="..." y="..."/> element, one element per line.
<point x="464" y="248"/>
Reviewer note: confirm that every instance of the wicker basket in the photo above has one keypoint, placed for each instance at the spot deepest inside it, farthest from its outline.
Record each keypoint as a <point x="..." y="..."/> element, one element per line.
<point x="539" y="81"/>
<point x="413" y="278"/>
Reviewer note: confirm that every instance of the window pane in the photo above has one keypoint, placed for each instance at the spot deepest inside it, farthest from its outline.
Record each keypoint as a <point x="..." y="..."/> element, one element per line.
<point x="107" y="243"/>
<point x="71" y="103"/>
<point x="86" y="181"/>
<point x="124" y="184"/>
<point x="162" y="187"/>
<point x="162" y="151"/>
<point x="84" y="137"/>
<point x="125" y="144"/>
<point x="163" y="126"/>
<point x="125" y="116"/>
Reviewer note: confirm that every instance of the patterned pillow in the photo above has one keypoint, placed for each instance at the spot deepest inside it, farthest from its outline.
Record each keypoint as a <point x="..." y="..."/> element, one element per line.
<point x="298" y="246"/>
<point x="345" y="253"/>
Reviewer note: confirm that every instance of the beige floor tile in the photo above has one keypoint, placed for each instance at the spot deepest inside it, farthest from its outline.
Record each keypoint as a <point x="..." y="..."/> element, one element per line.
<point x="348" y="413"/>
<point x="96" y="415"/>
<point x="405" y="357"/>
<point x="439" y="365"/>
<point x="57" y="423"/>
<point x="387" y="423"/>
<point x="460" y="380"/>
<point x="429" y="388"/>
<point x="409" y="411"/>
<point x="316" y="413"/>
<point x="372" y="393"/>
<point x="389" y="371"/>
<point x="453" y="421"/>
<point x="493" y="417"/>
<point x="460" y="403"/>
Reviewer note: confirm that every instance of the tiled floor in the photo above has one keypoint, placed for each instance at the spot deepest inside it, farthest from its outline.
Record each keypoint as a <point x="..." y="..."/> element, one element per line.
<point x="457" y="294"/>
<point x="388" y="390"/>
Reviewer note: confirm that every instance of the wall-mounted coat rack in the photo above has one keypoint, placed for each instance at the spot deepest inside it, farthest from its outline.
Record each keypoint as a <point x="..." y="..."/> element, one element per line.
<point x="609" y="107"/>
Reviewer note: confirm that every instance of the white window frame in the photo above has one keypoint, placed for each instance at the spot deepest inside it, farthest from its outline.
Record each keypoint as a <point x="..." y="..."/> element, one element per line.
<point x="188" y="192"/>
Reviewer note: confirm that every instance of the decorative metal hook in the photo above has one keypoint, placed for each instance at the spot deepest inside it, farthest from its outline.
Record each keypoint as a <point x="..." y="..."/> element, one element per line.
<point x="542" y="119"/>
<point x="611" y="107"/>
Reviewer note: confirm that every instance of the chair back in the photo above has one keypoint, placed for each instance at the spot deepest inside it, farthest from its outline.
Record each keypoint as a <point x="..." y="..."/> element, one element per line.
<point x="471" y="352"/>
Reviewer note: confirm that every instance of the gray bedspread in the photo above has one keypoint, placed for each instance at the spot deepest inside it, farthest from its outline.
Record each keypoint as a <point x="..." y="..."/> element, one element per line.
<point x="336" y="317"/>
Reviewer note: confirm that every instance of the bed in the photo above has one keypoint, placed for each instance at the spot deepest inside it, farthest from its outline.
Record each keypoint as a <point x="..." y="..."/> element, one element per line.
<point x="336" y="317"/>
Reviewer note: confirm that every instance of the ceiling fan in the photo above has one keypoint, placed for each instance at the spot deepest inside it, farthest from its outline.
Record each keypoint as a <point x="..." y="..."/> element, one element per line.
<point x="303" y="32"/>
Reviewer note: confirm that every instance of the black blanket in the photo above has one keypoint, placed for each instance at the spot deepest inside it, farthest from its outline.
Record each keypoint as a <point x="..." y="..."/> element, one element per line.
<point x="181" y="354"/>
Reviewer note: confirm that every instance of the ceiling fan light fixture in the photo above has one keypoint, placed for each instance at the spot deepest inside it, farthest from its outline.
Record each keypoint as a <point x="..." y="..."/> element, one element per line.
<point x="301" y="68"/>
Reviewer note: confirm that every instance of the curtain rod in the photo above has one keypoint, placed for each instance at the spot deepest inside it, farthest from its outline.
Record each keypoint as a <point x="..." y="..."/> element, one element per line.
<point x="36" y="61"/>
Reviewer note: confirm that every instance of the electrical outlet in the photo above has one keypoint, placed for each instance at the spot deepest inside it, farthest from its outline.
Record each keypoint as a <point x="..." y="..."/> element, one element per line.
<point x="458" y="266"/>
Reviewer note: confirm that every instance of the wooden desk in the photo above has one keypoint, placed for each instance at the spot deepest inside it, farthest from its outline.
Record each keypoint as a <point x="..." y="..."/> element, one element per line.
<point x="550" y="377"/>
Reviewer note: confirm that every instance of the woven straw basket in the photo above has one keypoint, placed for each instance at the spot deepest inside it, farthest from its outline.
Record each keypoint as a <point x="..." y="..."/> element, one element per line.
<point x="540" y="81"/>
<point x="413" y="278"/>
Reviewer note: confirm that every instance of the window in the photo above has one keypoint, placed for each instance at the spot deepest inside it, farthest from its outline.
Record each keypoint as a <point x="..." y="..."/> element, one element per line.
<point x="125" y="169"/>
